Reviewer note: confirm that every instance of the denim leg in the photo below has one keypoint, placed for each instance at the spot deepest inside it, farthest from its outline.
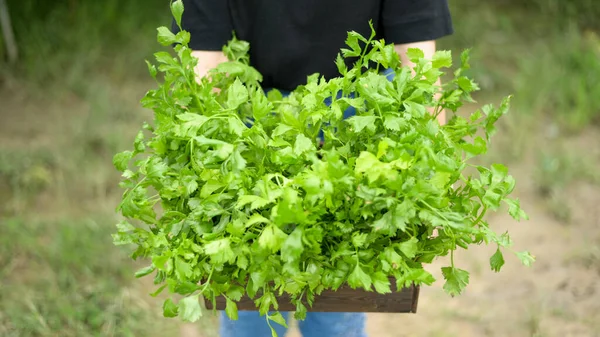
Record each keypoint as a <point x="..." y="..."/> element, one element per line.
<point x="333" y="324"/>
<point x="249" y="324"/>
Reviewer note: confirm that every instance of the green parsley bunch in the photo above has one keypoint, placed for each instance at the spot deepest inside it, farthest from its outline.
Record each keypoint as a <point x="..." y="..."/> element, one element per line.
<point x="233" y="192"/>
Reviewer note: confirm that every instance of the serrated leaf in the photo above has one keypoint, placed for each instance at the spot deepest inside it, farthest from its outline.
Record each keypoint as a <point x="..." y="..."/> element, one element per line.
<point x="260" y="104"/>
<point x="358" y="123"/>
<point x="497" y="260"/>
<point x="415" y="109"/>
<point x="182" y="268"/>
<point x="231" y="309"/>
<point x="392" y="257"/>
<point x="236" y="126"/>
<point x="165" y="36"/>
<point x="220" y="251"/>
<point x="120" y="239"/>
<point x="124" y="226"/>
<point x="442" y="59"/>
<point x="189" y="309"/>
<point x="381" y="283"/>
<point x="292" y="247"/>
<point x="456" y="280"/>
<point x="526" y="258"/>
<point x="255" y="219"/>
<point x="235" y="292"/>
<point x="190" y="184"/>
<point x="209" y="187"/>
<point x="236" y="95"/>
<point x="409" y="247"/>
<point x="359" y="239"/>
<point x="170" y="309"/>
<point x="278" y="318"/>
<point x="478" y="147"/>
<point x="415" y="54"/>
<point x="358" y="278"/>
<point x="152" y="69"/>
<point x="121" y="159"/>
<point x="272" y="238"/>
<point x="300" y="313"/>
<point x="302" y="144"/>
<point x="242" y="262"/>
<point x="365" y="162"/>
<point x="341" y="65"/>
<point x="177" y="11"/>
<point x="160" y="261"/>
<point x="515" y="210"/>
<point x="281" y="129"/>
<point x="504" y="240"/>
<point x="255" y="201"/>
<point x="393" y="123"/>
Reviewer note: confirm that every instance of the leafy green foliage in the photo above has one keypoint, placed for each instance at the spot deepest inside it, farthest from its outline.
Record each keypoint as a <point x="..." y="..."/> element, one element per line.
<point x="236" y="193"/>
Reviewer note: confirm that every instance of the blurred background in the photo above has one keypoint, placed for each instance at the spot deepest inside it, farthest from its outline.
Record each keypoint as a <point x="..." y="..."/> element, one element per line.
<point x="70" y="100"/>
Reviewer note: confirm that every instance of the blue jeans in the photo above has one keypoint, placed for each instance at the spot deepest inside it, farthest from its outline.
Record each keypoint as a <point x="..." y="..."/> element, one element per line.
<point x="316" y="324"/>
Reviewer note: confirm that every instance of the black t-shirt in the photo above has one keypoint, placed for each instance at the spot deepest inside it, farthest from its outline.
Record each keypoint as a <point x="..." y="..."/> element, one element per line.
<point x="291" y="39"/>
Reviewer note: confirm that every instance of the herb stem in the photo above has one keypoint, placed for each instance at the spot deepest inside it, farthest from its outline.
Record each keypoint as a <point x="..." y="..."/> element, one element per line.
<point x="481" y="215"/>
<point x="434" y="210"/>
<point x="207" y="283"/>
<point x="385" y="130"/>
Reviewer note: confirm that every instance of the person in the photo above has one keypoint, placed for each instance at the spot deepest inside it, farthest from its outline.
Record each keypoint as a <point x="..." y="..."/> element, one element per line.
<point x="289" y="40"/>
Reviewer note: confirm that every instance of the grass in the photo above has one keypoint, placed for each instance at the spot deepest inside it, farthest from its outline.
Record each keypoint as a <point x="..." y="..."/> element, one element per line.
<point x="64" y="278"/>
<point x="65" y="43"/>
<point x="61" y="274"/>
<point x="558" y="169"/>
<point x="546" y="59"/>
<point x="563" y="80"/>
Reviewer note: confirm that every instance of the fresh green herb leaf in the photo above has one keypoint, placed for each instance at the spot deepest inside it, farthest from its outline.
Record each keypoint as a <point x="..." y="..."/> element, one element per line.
<point x="235" y="292"/>
<point x="145" y="271"/>
<point x="236" y="95"/>
<point x="456" y="280"/>
<point x="526" y="258"/>
<point x="231" y="309"/>
<point x="409" y="248"/>
<point x="278" y="318"/>
<point x="497" y="260"/>
<point x="165" y="36"/>
<point x="170" y="309"/>
<point x="358" y="278"/>
<point x="381" y="283"/>
<point x="121" y="159"/>
<point x="272" y="238"/>
<point x="177" y="11"/>
<point x="415" y="54"/>
<point x="189" y="309"/>
<point x="442" y="59"/>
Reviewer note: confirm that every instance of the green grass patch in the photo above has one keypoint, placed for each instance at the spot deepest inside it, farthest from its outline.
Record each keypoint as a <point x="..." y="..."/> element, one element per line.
<point x="65" y="278"/>
<point x="64" y="43"/>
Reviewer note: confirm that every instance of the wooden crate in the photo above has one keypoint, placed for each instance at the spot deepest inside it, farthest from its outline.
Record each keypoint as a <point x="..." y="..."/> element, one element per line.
<point x="345" y="299"/>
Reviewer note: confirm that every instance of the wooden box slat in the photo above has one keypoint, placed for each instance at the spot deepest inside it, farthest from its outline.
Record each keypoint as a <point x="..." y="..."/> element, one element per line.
<point x="345" y="299"/>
